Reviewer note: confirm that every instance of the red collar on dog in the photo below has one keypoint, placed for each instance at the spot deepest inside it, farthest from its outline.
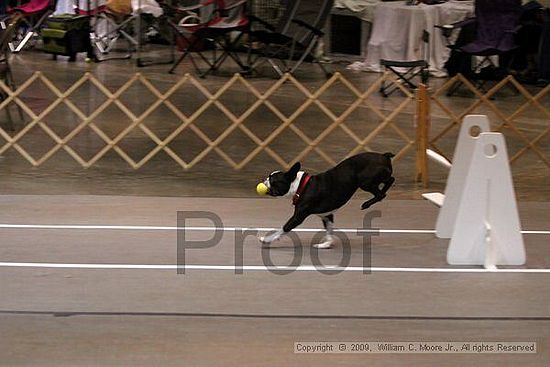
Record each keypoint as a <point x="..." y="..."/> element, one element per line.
<point x="301" y="188"/>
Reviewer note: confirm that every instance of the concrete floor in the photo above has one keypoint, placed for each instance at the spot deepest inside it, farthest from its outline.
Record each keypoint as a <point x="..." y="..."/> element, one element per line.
<point x="75" y="316"/>
<point x="45" y="340"/>
<point x="145" y="317"/>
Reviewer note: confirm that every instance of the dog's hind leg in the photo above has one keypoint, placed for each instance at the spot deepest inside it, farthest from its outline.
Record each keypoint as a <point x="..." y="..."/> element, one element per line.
<point x="378" y="192"/>
<point x="328" y="223"/>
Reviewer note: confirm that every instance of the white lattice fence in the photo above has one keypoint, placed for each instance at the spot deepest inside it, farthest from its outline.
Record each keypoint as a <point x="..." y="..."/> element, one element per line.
<point x="523" y="116"/>
<point x="187" y="122"/>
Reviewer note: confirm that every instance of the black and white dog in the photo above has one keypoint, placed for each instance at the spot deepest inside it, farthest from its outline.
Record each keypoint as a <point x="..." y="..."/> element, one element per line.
<point x="326" y="192"/>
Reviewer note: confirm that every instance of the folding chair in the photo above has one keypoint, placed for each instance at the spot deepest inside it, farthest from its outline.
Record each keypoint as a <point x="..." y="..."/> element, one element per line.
<point x="270" y="11"/>
<point x="156" y="16"/>
<point x="492" y="34"/>
<point x="294" y="39"/>
<point x="33" y="14"/>
<point x="220" y="23"/>
<point x="112" y="20"/>
<point x="544" y="56"/>
<point x="8" y="30"/>
<point x="406" y="71"/>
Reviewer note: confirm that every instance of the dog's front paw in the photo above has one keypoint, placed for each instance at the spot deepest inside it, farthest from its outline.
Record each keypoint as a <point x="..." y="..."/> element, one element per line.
<point x="329" y="240"/>
<point x="264" y="240"/>
<point x="323" y="245"/>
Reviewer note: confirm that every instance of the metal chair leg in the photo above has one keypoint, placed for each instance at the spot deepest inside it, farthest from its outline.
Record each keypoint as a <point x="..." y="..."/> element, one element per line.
<point x="13" y="87"/>
<point x="11" y="126"/>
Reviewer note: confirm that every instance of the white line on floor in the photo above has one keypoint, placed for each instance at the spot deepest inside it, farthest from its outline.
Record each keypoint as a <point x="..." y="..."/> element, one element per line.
<point x="247" y="268"/>
<point x="225" y="229"/>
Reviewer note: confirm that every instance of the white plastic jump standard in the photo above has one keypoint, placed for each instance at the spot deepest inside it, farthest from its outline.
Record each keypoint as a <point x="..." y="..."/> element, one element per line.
<point x="487" y="229"/>
<point x="462" y="159"/>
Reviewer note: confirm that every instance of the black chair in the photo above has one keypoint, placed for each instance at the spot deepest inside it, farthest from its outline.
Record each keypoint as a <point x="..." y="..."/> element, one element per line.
<point x="491" y="33"/>
<point x="544" y="57"/>
<point x="111" y="22"/>
<point x="7" y="33"/>
<point x="406" y="71"/>
<point x="212" y="24"/>
<point x="294" y="39"/>
<point x="33" y="15"/>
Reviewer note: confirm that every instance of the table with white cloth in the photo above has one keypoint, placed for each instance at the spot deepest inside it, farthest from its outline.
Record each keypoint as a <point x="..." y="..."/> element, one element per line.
<point x="397" y="33"/>
<point x="363" y="9"/>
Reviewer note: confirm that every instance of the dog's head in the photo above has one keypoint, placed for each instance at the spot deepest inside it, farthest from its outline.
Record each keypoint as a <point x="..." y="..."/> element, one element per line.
<point x="278" y="182"/>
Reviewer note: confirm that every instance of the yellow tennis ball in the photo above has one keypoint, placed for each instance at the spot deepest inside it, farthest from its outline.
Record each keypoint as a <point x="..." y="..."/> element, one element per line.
<point x="261" y="189"/>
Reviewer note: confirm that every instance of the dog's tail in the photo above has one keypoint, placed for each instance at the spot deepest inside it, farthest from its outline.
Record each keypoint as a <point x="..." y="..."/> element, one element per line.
<point x="389" y="155"/>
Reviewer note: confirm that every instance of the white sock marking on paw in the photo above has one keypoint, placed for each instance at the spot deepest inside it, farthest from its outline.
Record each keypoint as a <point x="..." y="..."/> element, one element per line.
<point x="323" y="245"/>
<point x="329" y="240"/>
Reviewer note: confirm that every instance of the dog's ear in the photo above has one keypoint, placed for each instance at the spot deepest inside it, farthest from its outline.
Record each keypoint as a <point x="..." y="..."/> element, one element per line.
<point x="293" y="171"/>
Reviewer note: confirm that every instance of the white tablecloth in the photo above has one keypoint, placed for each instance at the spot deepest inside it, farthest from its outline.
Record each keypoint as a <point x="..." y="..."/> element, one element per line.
<point x="397" y="33"/>
<point x="364" y="9"/>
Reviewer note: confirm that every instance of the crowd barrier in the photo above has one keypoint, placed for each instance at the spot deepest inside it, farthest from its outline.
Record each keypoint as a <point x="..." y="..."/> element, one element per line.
<point x="187" y="122"/>
<point x="415" y="122"/>
<point x="521" y="116"/>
